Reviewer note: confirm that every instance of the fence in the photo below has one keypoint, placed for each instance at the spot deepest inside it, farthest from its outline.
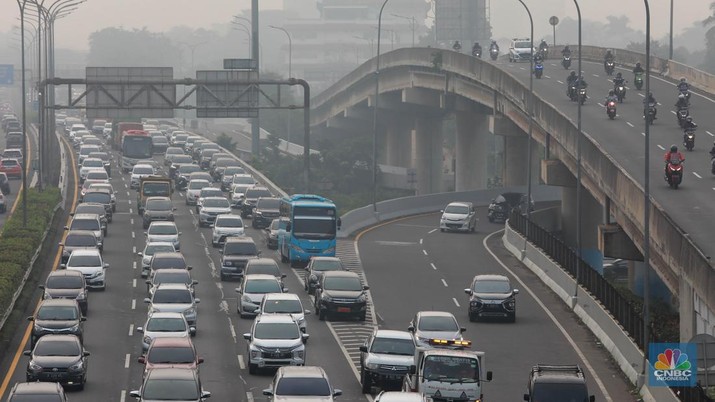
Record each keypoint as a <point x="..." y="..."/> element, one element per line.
<point x="695" y="394"/>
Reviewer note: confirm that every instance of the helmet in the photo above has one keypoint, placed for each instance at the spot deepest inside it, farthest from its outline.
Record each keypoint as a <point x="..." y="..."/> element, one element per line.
<point x="638" y="64"/>
<point x="650" y="94"/>
<point x="682" y="79"/>
<point x="689" y="119"/>
<point x="619" y="75"/>
<point x="611" y="92"/>
<point x="673" y="148"/>
<point x="573" y="73"/>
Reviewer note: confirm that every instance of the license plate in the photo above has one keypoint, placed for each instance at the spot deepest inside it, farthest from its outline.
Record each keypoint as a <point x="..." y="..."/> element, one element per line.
<point x="343" y="309"/>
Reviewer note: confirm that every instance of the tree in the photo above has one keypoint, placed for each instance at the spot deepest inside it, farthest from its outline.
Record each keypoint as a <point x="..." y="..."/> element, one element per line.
<point x="224" y="140"/>
<point x="709" y="62"/>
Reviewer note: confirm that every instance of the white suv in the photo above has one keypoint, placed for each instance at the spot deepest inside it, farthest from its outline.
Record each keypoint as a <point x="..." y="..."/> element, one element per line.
<point x="520" y="50"/>
<point x="275" y="341"/>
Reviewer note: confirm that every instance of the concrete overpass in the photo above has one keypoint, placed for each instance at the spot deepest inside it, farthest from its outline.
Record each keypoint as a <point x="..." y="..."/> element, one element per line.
<point x="419" y="86"/>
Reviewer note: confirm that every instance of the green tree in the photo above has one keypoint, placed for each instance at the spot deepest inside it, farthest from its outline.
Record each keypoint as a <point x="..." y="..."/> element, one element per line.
<point x="225" y="141"/>
<point x="709" y="62"/>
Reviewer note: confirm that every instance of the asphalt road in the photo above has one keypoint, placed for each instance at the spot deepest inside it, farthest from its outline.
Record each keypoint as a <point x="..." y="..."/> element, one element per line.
<point x="412" y="266"/>
<point x="691" y="205"/>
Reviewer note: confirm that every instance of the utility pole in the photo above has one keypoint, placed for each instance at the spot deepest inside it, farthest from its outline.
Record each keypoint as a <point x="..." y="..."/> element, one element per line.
<point x="255" y="51"/>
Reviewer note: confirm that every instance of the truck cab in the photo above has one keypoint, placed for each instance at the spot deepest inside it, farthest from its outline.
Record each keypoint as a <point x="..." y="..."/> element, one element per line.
<point x="447" y="374"/>
<point x="153" y="186"/>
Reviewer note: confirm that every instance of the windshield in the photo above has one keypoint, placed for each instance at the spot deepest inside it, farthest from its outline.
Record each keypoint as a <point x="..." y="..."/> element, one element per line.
<point x="255" y="193"/>
<point x="99" y="198"/>
<point x="277" y="330"/>
<point x="97" y="175"/>
<point x="150" y="189"/>
<point x="492" y="287"/>
<point x="143" y="170"/>
<point x="65" y="282"/>
<point x="456" y="209"/>
<point x="266" y="269"/>
<point x="166" y="325"/>
<point x="168" y="262"/>
<point x="241" y="248"/>
<point x="170" y="390"/>
<point x="60" y="313"/>
<point x="438" y="323"/>
<point x="158" y="248"/>
<point x="559" y="392"/>
<point x="172" y="296"/>
<point x="103" y="156"/>
<point x="282" y="306"/>
<point x="163" y="230"/>
<point x="73" y="240"/>
<point x="175" y="355"/>
<point x="452" y="368"/>
<point x="522" y="45"/>
<point x="296" y="386"/>
<point x="327" y="265"/>
<point x="85" y="224"/>
<point x="231" y="170"/>
<point x="243" y="180"/>
<point x="90" y="209"/>
<point x="159" y="140"/>
<point x="55" y="348"/>
<point x="263" y="286"/>
<point x="172" y="277"/>
<point x="137" y="147"/>
<point x="96" y="163"/>
<point x="84" y="261"/>
<point x="343" y="283"/>
<point x="158" y="205"/>
<point x="216" y="203"/>
<point x="392" y="346"/>
<point x="100" y="186"/>
<point x="211" y="192"/>
<point x="308" y="228"/>
<point x="36" y="398"/>
<point x="189" y="168"/>
<point x="229" y="222"/>
<point x="268" y="203"/>
<point x="198" y="184"/>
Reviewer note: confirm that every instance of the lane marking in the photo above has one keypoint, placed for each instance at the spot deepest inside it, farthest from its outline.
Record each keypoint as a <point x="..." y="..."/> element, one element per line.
<point x="661" y="147"/>
<point x="134" y="249"/>
<point x="456" y="302"/>
<point x="641" y="95"/>
<point x="697" y="175"/>
<point x="123" y="396"/>
<point x="131" y="221"/>
<point x="643" y="134"/>
<point x="134" y="265"/>
<point x="126" y="360"/>
<point x="432" y="231"/>
<point x="547" y="76"/>
<point x="130" y="210"/>
<point x="596" y="75"/>
<point x="129" y="202"/>
<point x="629" y="123"/>
<point x="558" y="325"/>
<point x="249" y="396"/>
<point x="424" y="252"/>
<point x="133" y="235"/>
<point x="241" y="363"/>
<point x="672" y="111"/>
<point x="445" y="283"/>
<point x="710" y="134"/>
<point x="134" y="304"/>
<point x="134" y="281"/>
<point x="560" y="82"/>
<point x="421" y="241"/>
<point x="131" y="329"/>
<point x="433" y="266"/>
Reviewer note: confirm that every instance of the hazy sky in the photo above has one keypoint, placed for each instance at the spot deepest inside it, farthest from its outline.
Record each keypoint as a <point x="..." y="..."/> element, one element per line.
<point x="508" y="16"/>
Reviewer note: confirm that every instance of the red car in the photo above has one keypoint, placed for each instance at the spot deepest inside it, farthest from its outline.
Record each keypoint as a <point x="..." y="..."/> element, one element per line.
<point x="11" y="167"/>
<point x="171" y="352"/>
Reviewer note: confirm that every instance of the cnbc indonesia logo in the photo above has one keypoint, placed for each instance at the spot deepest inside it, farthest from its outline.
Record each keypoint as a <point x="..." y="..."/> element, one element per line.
<point x="673" y="365"/>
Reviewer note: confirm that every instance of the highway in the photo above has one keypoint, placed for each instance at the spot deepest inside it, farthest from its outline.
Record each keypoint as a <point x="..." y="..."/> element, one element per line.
<point x="15" y="184"/>
<point x="691" y="205"/>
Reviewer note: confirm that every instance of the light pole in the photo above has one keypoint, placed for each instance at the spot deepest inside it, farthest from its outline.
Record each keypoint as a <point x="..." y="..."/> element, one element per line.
<point x="375" y="113"/>
<point x="412" y="25"/>
<point x="578" y="158"/>
<point x="670" y="52"/>
<point x="646" y="199"/>
<point x="290" y="49"/>
<point x="531" y="123"/>
<point x="248" y="32"/>
<point x="21" y="5"/>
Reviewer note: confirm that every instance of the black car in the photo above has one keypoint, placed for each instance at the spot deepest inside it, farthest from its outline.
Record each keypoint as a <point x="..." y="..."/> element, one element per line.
<point x="100" y="196"/>
<point x="341" y="292"/>
<point x="315" y="269"/>
<point x="501" y="206"/>
<point x="566" y="381"/>
<point x="37" y="391"/>
<point x="66" y="284"/>
<point x="252" y="196"/>
<point x="56" y="316"/>
<point x="491" y="296"/>
<point x="266" y="210"/>
<point x="58" y="358"/>
<point x="4" y="184"/>
<point x="78" y="239"/>
<point x="235" y="254"/>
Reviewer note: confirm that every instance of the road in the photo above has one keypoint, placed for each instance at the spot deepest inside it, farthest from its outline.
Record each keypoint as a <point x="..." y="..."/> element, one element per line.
<point x="15" y="184"/>
<point x="691" y="205"/>
<point x="438" y="266"/>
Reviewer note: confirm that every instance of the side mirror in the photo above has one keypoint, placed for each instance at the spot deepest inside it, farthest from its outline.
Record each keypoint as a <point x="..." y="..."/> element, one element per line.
<point x="463" y="329"/>
<point x="27" y="353"/>
<point x="247" y="336"/>
<point x="148" y="281"/>
<point x="83" y="319"/>
<point x="411" y="328"/>
<point x="516" y="291"/>
<point x="337" y="392"/>
<point x="189" y="267"/>
<point x="67" y="228"/>
<point x="413" y="369"/>
<point x="192" y="331"/>
<point x="468" y="291"/>
<point x="441" y="211"/>
<point x="135" y="394"/>
<point x="268" y="392"/>
<point x="63" y="265"/>
<point x="140" y="330"/>
<point x="61" y="244"/>
<point x="489" y="376"/>
<point x="288" y="227"/>
<point x="591" y="398"/>
<point x="200" y="360"/>
<point x="363" y="348"/>
<point x="526" y="397"/>
<point x="305" y="337"/>
<point x="285" y="290"/>
<point x="140" y="254"/>
<point x="366" y="288"/>
<point x="220" y="251"/>
<point x="306" y="312"/>
<point x="41" y="287"/>
<point x="147" y="300"/>
<point x="141" y="359"/>
<point x="197" y="301"/>
<point x="194" y="282"/>
<point x="340" y="223"/>
<point x="30" y="318"/>
<point x="105" y="266"/>
<point x="85" y="353"/>
<point x="179" y="233"/>
<point x="283" y="275"/>
<point x="238" y="290"/>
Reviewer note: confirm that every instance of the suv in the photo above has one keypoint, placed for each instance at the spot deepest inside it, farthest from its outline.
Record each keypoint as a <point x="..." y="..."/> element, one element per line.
<point x="315" y="269"/>
<point x="58" y="358"/>
<point x="385" y="358"/>
<point x="224" y="226"/>
<point x="41" y="391"/>
<point x="459" y="216"/>
<point x="89" y="222"/>
<point x="252" y="196"/>
<point x="100" y="196"/>
<point x="235" y="254"/>
<point x="557" y="382"/>
<point x="301" y="383"/>
<point x="164" y="232"/>
<point x="56" y="316"/>
<point x="66" y="285"/>
<point x="171" y="384"/>
<point x="275" y="340"/>
<point x="210" y="208"/>
<point x="340" y="292"/>
<point x="266" y="210"/>
<point x="491" y="296"/>
<point x="157" y="209"/>
<point x="428" y="325"/>
<point x="520" y="50"/>
<point x="265" y="266"/>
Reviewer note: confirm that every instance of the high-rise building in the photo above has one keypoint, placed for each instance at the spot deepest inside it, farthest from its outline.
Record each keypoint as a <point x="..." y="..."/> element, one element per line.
<point x="464" y="20"/>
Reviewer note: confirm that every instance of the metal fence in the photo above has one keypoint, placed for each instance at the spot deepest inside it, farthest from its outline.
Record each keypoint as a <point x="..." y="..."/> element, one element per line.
<point x="694" y="394"/>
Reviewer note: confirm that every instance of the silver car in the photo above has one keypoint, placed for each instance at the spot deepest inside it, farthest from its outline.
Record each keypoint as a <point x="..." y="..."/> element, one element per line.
<point x="176" y="298"/>
<point x="252" y="290"/>
<point x="211" y="208"/>
<point x="285" y="303"/>
<point x="208" y="192"/>
<point x="428" y="325"/>
<point x="164" y="231"/>
<point x="91" y="265"/>
<point x="193" y="189"/>
<point x="275" y="341"/>
<point x="226" y="225"/>
<point x="458" y="216"/>
<point x="148" y="253"/>
<point x="165" y="325"/>
<point x="139" y="171"/>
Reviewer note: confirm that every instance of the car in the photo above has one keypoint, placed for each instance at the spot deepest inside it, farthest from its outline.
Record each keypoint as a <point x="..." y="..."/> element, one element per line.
<point x="87" y="184"/>
<point x="301" y="383"/>
<point x="139" y="171"/>
<point x="171" y="275"/>
<point x="3" y="205"/>
<point x="56" y="316"/>
<point x="238" y="195"/>
<point x="214" y="158"/>
<point x="341" y="293"/>
<point x="102" y="197"/>
<point x="235" y="254"/>
<point x="568" y="382"/>
<point x="159" y="144"/>
<point x="84" y="152"/>
<point x="173" y="352"/>
<point x="109" y="188"/>
<point x="226" y="225"/>
<point x="210" y="208"/>
<point x="58" y="358"/>
<point x="458" y="216"/>
<point x="502" y="205"/>
<point x="520" y="49"/>
<point x="65" y="284"/>
<point x="171" y="384"/>
<point x="93" y="208"/>
<point x="252" y="290"/>
<point x="5" y="184"/>
<point x="106" y="160"/>
<point x="315" y="269"/>
<point x="91" y="222"/>
<point x="157" y="209"/>
<point x="97" y="175"/>
<point x="37" y="391"/>
<point x="398" y="396"/>
<point x="13" y="153"/>
<point x="207" y="192"/>
<point x="227" y="176"/>
<point x="243" y="179"/>
<point x="385" y="358"/>
<point x="267" y="266"/>
<point x="205" y="157"/>
<point x="91" y="265"/>
<point x="149" y="250"/>
<point x="11" y="167"/>
<point x="193" y="189"/>
<point x="174" y="297"/>
<point x="167" y="260"/>
<point x="164" y="325"/>
<point x="178" y="139"/>
<point x="251" y="199"/>
<point x="272" y="232"/>
<point x="182" y="172"/>
<point x="151" y="162"/>
<point x="428" y="325"/>
<point x="164" y="231"/>
<point x="219" y="165"/>
<point x="285" y="303"/>
<point x="88" y="164"/>
<point x="275" y="340"/>
<point x="78" y="239"/>
<point x="173" y="152"/>
<point x="491" y="296"/>
<point x="266" y="210"/>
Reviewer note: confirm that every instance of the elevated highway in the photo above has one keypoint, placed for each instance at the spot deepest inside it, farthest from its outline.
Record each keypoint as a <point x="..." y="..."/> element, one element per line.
<point x="419" y="86"/>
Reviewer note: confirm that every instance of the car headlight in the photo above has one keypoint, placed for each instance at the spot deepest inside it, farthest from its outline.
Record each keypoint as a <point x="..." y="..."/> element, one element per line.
<point x="299" y="353"/>
<point x="47" y="296"/>
<point x="330" y="250"/>
<point x="325" y="298"/>
<point x="255" y="353"/>
<point x="259" y="214"/>
<point x="77" y="366"/>
<point x="371" y="366"/>
<point x="227" y="264"/>
<point x="246" y="299"/>
<point x="362" y="298"/>
<point x="74" y="328"/>
<point x="296" y="248"/>
<point x="81" y="296"/>
<point x="190" y="311"/>
<point x="147" y="339"/>
<point x="34" y="366"/>
<point x="300" y="320"/>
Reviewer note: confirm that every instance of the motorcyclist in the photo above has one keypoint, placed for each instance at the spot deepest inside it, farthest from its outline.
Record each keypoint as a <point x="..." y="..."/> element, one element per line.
<point x="538" y="58"/>
<point x="580" y="82"/>
<point x="683" y="85"/>
<point x="619" y="80"/>
<point x="570" y="83"/>
<point x="650" y="102"/>
<point x="712" y="151"/>
<point x="608" y="57"/>
<point x="476" y="49"/>
<point x="457" y="46"/>
<point x="611" y="97"/>
<point x="638" y="69"/>
<point x="494" y="45"/>
<point x="673" y="156"/>
<point x="682" y="102"/>
<point x="543" y="45"/>
<point x="566" y="52"/>
<point x="689" y="124"/>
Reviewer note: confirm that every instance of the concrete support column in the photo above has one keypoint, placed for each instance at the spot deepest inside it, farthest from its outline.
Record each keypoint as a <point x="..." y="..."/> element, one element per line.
<point x="591" y="218"/>
<point x="471" y="151"/>
<point x="398" y="144"/>
<point x="688" y="317"/>
<point x="515" y="160"/>
<point x="428" y="155"/>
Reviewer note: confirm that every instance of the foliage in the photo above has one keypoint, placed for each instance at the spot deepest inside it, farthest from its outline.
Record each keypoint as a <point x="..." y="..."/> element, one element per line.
<point x="224" y="140"/>
<point x="709" y="62"/>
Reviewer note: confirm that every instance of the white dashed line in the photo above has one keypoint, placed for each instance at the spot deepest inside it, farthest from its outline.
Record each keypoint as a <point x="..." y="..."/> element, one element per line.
<point x="134" y="249"/>
<point x="661" y="147"/>
<point x="672" y="111"/>
<point x="643" y="134"/>
<point x="131" y="221"/>
<point x="547" y="76"/>
<point x="134" y="235"/>
<point x="249" y="396"/>
<point x="641" y="95"/>
<point x="134" y="265"/>
<point x="560" y="82"/>
<point x="710" y="134"/>
<point x="241" y="363"/>
<point x="445" y="283"/>
<point x="129" y="201"/>
<point x="595" y="75"/>
<point x="123" y="396"/>
<point x="131" y="329"/>
<point x="134" y="304"/>
<point x="433" y="266"/>
<point x="421" y="241"/>
<point x="134" y="282"/>
<point x="191" y="211"/>
<point x="424" y="252"/>
<point x="697" y="175"/>
<point x="128" y="194"/>
<point x="456" y="302"/>
<point x="432" y="231"/>
<point x="126" y="360"/>
<point x="629" y="123"/>
<point x="130" y="210"/>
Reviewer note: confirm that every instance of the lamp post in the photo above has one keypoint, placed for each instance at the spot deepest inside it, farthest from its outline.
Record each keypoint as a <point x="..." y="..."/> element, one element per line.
<point x="21" y="4"/>
<point x="670" y="52"/>
<point x="412" y="25"/>
<point x="248" y="32"/>
<point x="531" y="122"/>
<point x="578" y="159"/>
<point x="646" y="199"/>
<point x="290" y="49"/>
<point x="375" y="112"/>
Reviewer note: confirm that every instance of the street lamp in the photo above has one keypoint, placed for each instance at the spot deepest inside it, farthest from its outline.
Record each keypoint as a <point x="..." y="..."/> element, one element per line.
<point x="21" y="4"/>
<point x="670" y="52"/>
<point x="412" y="25"/>
<point x="248" y="32"/>
<point x="578" y="158"/>
<point x="646" y="199"/>
<point x="374" y="115"/>
<point x="290" y="49"/>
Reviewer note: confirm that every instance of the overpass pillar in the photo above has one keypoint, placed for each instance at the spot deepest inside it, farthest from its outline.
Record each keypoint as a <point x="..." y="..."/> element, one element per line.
<point x="515" y="160"/>
<point x="398" y="143"/>
<point x="591" y="218"/>
<point x="471" y="149"/>
<point x="427" y="159"/>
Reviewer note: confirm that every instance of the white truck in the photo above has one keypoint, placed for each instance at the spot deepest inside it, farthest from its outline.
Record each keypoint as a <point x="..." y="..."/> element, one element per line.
<point x="447" y="374"/>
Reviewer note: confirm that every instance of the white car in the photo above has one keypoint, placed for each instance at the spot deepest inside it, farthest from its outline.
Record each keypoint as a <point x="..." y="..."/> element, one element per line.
<point x="84" y="152"/>
<point x="238" y="194"/>
<point x="243" y="179"/>
<point x="89" y="164"/>
<point x="459" y="216"/>
<point x="108" y="187"/>
<point x="138" y="172"/>
<point x="207" y="192"/>
<point x="193" y="189"/>
<point x="163" y="231"/>
<point x="148" y="252"/>
<point x="285" y="303"/>
<point x="97" y="176"/>
<point x="520" y="50"/>
<point x="226" y="225"/>
<point x="211" y="208"/>
<point x="91" y="265"/>
<point x="164" y="325"/>
<point x="275" y="341"/>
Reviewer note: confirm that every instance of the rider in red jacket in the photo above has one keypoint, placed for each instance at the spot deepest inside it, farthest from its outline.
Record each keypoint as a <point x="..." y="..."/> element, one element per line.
<point x="673" y="156"/>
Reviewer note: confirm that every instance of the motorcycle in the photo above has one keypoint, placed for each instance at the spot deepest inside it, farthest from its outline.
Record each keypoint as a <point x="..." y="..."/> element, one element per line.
<point x="611" y="109"/>
<point x="650" y="117"/>
<point x="582" y="95"/>
<point x="566" y="62"/>
<point x="620" y="92"/>
<point x="674" y="173"/>
<point x="682" y="114"/>
<point x="538" y="69"/>
<point x="689" y="139"/>
<point x="477" y="53"/>
<point x="493" y="53"/>
<point x="638" y="81"/>
<point x="686" y="96"/>
<point x="544" y="52"/>
<point x="610" y="66"/>
<point x="712" y="164"/>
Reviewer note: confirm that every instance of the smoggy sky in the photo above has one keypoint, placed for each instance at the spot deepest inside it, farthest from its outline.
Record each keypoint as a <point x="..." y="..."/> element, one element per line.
<point x="508" y="16"/>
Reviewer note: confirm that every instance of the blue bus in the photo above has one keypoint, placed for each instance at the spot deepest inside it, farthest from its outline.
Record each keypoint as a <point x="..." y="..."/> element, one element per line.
<point x="312" y="228"/>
